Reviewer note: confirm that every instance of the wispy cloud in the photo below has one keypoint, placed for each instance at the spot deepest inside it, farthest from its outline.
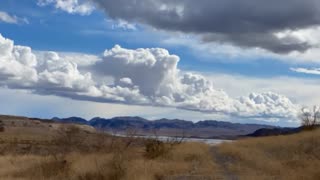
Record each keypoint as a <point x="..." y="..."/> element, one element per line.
<point x="315" y="71"/>
<point x="12" y="19"/>
<point x="124" y="25"/>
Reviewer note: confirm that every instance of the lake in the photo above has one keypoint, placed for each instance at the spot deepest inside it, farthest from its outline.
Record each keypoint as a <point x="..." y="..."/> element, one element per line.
<point x="168" y="138"/>
<point x="207" y="141"/>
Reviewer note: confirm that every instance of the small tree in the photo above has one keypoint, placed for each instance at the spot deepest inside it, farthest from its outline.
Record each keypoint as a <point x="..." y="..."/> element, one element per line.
<point x="1" y="126"/>
<point x="310" y="119"/>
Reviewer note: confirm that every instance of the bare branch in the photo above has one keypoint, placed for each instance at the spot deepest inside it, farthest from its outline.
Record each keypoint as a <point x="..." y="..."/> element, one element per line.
<point x="310" y="119"/>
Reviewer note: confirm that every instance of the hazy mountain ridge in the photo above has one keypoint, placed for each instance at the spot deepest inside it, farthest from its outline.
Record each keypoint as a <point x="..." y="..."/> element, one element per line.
<point x="168" y="127"/>
<point x="171" y="127"/>
<point x="275" y="132"/>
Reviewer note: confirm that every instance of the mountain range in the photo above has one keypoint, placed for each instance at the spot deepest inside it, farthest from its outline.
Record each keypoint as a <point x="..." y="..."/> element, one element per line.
<point x="169" y="127"/>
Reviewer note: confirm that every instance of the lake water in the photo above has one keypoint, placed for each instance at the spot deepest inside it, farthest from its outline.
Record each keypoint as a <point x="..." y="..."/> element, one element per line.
<point x="207" y="141"/>
<point x="168" y="138"/>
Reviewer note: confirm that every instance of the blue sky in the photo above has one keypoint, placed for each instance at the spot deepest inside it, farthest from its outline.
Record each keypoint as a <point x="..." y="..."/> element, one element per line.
<point x="72" y="34"/>
<point x="235" y="69"/>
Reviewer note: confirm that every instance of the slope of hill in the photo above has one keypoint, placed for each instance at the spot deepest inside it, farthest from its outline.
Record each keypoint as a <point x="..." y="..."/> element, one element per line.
<point x="76" y="120"/>
<point x="274" y="132"/>
<point x="167" y="127"/>
<point x="31" y="135"/>
<point x="285" y="157"/>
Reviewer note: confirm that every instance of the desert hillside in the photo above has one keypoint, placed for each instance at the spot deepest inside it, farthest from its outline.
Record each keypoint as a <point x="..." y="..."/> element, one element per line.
<point x="32" y="149"/>
<point x="291" y="157"/>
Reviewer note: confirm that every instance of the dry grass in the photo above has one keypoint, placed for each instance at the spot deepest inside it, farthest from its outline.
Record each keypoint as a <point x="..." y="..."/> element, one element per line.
<point x="282" y="157"/>
<point x="186" y="159"/>
<point x="128" y="165"/>
<point x="74" y="154"/>
<point x="68" y="153"/>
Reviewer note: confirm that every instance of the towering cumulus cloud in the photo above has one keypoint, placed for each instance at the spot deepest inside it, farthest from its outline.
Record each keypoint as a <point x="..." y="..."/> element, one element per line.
<point x="18" y="63"/>
<point x="139" y="77"/>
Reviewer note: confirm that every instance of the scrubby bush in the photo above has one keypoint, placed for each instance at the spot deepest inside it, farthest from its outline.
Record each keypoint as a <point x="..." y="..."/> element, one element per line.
<point x="155" y="148"/>
<point x="1" y="126"/>
<point x="70" y="138"/>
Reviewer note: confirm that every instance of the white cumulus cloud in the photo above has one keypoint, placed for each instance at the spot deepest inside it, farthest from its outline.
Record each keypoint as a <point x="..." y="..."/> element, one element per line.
<point x="147" y="76"/>
<point x="17" y="64"/>
<point x="82" y="7"/>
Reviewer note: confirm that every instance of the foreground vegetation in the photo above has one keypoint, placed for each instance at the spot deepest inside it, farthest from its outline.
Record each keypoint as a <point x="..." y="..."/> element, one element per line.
<point x="43" y="150"/>
<point x="73" y="153"/>
<point x="127" y="165"/>
<point x="281" y="157"/>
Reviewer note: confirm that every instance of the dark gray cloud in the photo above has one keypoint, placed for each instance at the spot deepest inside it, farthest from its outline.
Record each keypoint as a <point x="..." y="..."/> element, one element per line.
<point x="245" y="23"/>
<point x="266" y="41"/>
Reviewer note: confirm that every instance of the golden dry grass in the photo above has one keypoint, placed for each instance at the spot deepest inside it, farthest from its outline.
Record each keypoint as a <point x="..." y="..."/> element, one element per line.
<point x="292" y="157"/>
<point x="129" y="165"/>
<point x="69" y="153"/>
<point x="77" y="155"/>
<point x="186" y="159"/>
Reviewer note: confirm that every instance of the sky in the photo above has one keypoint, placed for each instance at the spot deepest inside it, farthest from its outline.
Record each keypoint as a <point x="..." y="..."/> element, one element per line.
<point x="247" y="62"/>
